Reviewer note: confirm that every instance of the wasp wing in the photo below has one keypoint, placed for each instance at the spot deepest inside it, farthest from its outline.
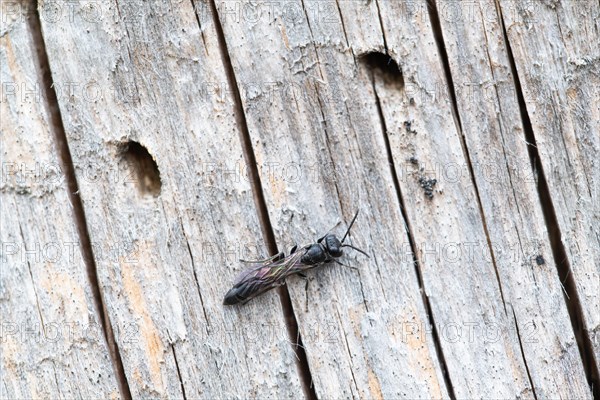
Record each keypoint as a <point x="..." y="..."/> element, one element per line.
<point x="276" y="257"/>
<point x="255" y="281"/>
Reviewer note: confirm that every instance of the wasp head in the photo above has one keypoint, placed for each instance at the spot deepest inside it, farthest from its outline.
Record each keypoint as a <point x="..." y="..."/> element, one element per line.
<point x="333" y="245"/>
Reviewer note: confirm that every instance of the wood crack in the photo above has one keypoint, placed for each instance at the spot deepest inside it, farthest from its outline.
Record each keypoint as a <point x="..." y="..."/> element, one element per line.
<point x="385" y="46"/>
<point x="189" y="249"/>
<point x="37" y="301"/>
<point x="337" y="190"/>
<point x="337" y="3"/>
<point x="58" y="385"/>
<point x="196" y="279"/>
<point x="314" y="46"/>
<point x="522" y="352"/>
<point x="261" y="207"/>
<point x="349" y="352"/>
<point x="434" y="333"/>
<point x="572" y="301"/>
<point x="500" y="122"/>
<point x="178" y="372"/>
<point x="439" y="39"/>
<point x="327" y="141"/>
<point x="200" y="26"/>
<point x="66" y="162"/>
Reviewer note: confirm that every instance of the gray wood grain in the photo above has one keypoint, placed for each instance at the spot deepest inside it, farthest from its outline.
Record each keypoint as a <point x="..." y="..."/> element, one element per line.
<point x="490" y="118"/>
<point x="330" y="124"/>
<point x="331" y="133"/>
<point x="556" y="51"/>
<point x="479" y="338"/>
<point x="52" y="340"/>
<point x="165" y="261"/>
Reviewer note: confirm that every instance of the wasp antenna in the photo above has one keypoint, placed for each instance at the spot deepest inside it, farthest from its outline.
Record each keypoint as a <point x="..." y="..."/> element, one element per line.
<point x="356" y="248"/>
<point x="350" y="226"/>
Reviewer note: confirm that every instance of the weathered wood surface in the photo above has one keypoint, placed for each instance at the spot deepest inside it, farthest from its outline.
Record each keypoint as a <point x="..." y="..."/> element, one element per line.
<point x="421" y="127"/>
<point x="52" y="340"/>
<point x="557" y="54"/>
<point x="173" y="254"/>
<point x="332" y="130"/>
<point x="489" y="114"/>
<point x="309" y="106"/>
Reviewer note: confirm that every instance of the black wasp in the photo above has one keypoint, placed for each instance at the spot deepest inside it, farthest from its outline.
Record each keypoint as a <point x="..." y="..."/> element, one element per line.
<point x="273" y="271"/>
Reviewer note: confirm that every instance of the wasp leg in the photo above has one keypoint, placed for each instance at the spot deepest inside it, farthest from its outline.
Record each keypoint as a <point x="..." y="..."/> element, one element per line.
<point x="344" y="265"/>
<point x="305" y="293"/>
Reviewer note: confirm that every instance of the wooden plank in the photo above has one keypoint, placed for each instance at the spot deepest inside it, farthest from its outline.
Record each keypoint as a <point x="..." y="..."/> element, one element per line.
<point x="52" y="340"/>
<point x="310" y="108"/>
<point x="557" y="56"/>
<point x="479" y="337"/>
<point x="491" y="123"/>
<point x="152" y="75"/>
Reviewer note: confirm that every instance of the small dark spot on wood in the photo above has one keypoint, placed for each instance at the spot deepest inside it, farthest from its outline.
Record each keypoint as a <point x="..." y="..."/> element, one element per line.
<point x="409" y="128"/>
<point x="427" y="185"/>
<point x="413" y="160"/>
<point x="143" y="168"/>
<point x="539" y="260"/>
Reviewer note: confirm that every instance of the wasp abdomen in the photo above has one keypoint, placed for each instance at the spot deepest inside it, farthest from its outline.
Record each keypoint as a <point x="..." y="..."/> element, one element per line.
<point x="240" y="293"/>
<point x="232" y="297"/>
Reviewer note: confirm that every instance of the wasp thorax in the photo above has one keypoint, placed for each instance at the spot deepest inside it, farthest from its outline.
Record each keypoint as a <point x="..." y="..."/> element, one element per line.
<point x="333" y="245"/>
<point x="315" y="254"/>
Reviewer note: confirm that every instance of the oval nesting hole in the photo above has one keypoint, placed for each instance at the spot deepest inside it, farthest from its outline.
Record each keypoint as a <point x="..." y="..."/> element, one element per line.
<point x="385" y="64"/>
<point x="143" y="169"/>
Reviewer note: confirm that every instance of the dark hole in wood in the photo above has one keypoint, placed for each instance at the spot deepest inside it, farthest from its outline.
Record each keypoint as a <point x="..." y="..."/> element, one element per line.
<point x="143" y="168"/>
<point x="385" y="64"/>
<point x="540" y="260"/>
